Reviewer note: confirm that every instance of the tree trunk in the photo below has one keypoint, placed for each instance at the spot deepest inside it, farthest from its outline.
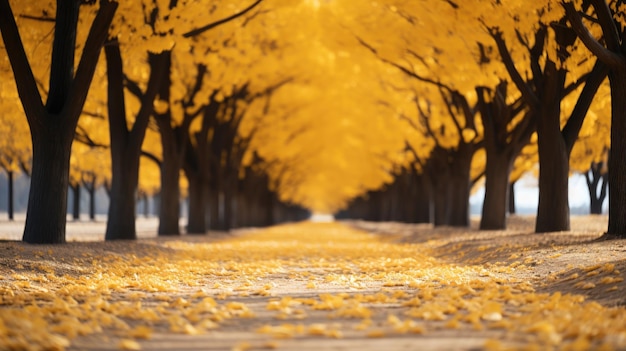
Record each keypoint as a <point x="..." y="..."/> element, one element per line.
<point x="617" y="156"/>
<point x="125" y="143"/>
<point x="423" y="212"/>
<point x="76" y="202"/>
<point x="91" y="189"/>
<point x="146" y="205"/>
<point x="496" y="190"/>
<point x="49" y="183"/>
<point x="197" y="206"/>
<point x="441" y="199"/>
<point x="511" y="201"/>
<point x="121" y="215"/>
<point x="553" y="207"/>
<point x="596" y="181"/>
<point x="169" y="210"/>
<point x="10" y="205"/>
<point x="124" y="154"/>
<point x="214" y="210"/>
<point x="459" y="199"/>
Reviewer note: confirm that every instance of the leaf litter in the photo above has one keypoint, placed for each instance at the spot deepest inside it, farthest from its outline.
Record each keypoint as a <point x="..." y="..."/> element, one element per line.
<point x="289" y="285"/>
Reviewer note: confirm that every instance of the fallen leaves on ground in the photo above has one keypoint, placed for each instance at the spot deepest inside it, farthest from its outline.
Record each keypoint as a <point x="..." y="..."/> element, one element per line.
<point x="290" y="282"/>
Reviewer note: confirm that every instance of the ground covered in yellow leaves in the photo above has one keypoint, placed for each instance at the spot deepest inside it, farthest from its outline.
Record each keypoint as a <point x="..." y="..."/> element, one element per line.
<point x="311" y="286"/>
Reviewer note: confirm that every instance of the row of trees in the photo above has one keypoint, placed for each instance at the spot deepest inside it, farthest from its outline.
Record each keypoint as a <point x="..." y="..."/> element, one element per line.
<point x="253" y="103"/>
<point x="173" y="90"/>
<point x="548" y="67"/>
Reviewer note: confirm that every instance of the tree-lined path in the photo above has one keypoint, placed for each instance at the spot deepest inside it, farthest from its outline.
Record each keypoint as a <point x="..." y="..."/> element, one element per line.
<point x="311" y="286"/>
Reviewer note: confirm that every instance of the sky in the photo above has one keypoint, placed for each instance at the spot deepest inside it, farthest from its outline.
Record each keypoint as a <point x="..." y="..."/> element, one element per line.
<point x="527" y="195"/>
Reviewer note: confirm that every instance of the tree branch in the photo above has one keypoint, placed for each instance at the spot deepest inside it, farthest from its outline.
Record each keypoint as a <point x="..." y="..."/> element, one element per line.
<point x="24" y="77"/>
<point x="133" y="87"/>
<point x="574" y="123"/>
<point x="609" y="58"/>
<point x="152" y="157"/>
<point x="220" y="22"/>
<point x="516" y="77"/>
<point x="98" y="34"/>
<point x="82" y="136"/>
<point x="400" y="67"/>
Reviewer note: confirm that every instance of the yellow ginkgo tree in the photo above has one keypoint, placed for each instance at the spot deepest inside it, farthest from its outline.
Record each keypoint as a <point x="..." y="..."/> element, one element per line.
<point x="52" y="121"/>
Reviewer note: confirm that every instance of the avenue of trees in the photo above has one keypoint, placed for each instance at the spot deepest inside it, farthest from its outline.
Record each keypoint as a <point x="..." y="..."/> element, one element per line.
<point x="255" y="110"/>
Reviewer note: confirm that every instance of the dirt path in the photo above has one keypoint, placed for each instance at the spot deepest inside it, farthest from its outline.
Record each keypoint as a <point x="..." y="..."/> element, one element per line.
<point x="320" y="286"/>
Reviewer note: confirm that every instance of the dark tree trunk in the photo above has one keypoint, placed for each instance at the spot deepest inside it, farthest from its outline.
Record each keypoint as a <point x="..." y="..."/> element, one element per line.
<point x="121" y="215"/>
<point x="423" y="211"/>
<point x="511" y="200"/>
<point x="91" y="189"/>
<point x="441" y="198"/>
<point x="502" y="144"/>
<point x="125" y="153"/>
<point x="146" y="205"/>
<point x="617" y="156"/>
<point x="169" y="209"/>
<point x="10" y="205"/>
<point x="496" y="191"/>
<point x="174" y="142"/>
<point x="553" y="207"/>
<point x="197" y="206"/>
<point x="214" y="209"/>
<point x="449" y="172"/>
<point x="47" y="200"/>
<point x="75" y="202"/>
<point x="459" y="195"/>
<point x="597" y="184"/>
<point x="270" y="214"/>
<point x="125" y="143"/>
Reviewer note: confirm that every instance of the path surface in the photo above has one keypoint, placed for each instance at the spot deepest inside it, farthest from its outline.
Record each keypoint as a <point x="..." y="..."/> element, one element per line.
<point x="308" y="286"/>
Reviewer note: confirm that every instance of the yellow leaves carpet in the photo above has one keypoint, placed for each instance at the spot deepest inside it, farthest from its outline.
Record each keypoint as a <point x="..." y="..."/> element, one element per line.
<point x="312" y="286"/>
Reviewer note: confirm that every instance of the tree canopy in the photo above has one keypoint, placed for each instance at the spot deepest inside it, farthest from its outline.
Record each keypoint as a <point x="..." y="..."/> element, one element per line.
<point x="330" y="99"/>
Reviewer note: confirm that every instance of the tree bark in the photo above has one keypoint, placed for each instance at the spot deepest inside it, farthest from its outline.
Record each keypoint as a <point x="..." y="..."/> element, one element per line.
<point x="423" y="211"/>
<point x="49" y="183"/>
<point x="553" y="207"/>
<point x="169" y="210"/>
<point x="617" y="156"/>
<point x="459" y="194"/>
<point x="91" y="189"/>
<point x="496" y="191"/>
<point x="197" y="206"/>
<point x="511" y="200"/>
<point x="441" y="199"/>
<point x="125" y="143"/>
<point x="596" y="181"/>
<point x="214" y="209"/>
<point x="10" y="186"/>
<point x="76" y="202"/>
<point x="502" y="145"/>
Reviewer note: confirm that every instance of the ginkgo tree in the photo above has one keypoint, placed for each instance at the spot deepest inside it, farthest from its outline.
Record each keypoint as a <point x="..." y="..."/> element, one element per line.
<point x="612" y="53"/>
<point x="156" y="27"/>
<point x="52" y="122"/>
<point x="555" y="67"/>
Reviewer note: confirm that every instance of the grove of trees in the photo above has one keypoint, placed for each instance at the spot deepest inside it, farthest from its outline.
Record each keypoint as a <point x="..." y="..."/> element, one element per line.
<point x="260" y="111"/>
